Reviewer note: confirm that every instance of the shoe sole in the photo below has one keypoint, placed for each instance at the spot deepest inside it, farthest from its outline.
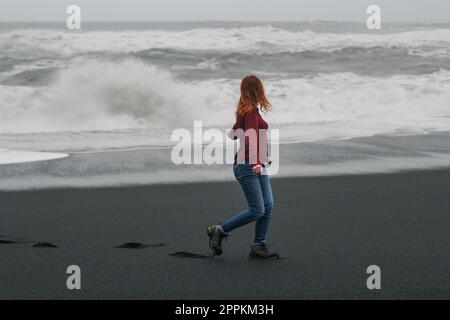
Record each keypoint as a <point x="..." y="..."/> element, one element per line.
<point x="215" y="251"/>
<point x="255" y="256"/>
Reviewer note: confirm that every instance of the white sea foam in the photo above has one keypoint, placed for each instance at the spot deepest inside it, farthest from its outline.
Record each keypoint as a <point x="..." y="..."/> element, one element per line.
<point x="42" y="42"/>
<point x="105" y="96"/>
<point x="16" y="156"/>
<point x="110" y="96"/>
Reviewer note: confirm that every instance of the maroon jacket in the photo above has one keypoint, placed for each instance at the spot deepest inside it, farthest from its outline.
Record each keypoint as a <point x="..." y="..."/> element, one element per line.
<point x="254" y="150"/>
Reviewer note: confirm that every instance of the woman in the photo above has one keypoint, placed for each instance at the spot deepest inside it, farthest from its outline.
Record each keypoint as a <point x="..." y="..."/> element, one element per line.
<point x="249" y="170"/>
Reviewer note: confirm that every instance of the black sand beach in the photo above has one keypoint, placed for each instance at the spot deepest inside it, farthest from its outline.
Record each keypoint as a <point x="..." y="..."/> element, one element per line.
<point x="328" y="229"/>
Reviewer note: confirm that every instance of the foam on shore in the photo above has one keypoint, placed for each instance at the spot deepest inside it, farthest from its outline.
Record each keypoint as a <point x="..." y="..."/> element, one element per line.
<point x="15" y="156"/>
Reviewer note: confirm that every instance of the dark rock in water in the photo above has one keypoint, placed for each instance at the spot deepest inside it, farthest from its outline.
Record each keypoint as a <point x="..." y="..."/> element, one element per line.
<point x="44" y="245"/>
<point x="133" y="245"/>
<point x="184" y="254"/>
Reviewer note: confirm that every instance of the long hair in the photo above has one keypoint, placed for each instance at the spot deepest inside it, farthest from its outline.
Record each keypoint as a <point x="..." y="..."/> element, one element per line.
<point x="252" y="95"/>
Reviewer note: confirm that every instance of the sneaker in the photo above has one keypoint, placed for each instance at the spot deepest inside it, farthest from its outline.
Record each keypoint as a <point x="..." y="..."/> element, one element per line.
<point x="262" y="251"/>
<point x="216" y="236"/>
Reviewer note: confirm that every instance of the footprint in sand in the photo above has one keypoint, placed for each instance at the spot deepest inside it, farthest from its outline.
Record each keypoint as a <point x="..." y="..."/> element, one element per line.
<point x="2" y="241"/>
<point x="183" y="254"/>
<point x="14" y="240"/>
<point x="45" y="245"/>
<point x="138" y="245"/>
<point x="10" y="240"/>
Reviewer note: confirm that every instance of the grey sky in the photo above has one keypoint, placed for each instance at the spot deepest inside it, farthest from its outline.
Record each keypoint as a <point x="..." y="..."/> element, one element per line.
<point x="246" y="10"/>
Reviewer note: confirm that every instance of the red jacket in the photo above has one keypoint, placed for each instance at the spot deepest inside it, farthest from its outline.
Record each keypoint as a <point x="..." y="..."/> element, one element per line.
<point x="255" y="148"/>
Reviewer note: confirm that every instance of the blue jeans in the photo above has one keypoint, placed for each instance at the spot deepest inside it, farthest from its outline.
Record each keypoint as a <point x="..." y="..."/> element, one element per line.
<point x="258" y="193"/>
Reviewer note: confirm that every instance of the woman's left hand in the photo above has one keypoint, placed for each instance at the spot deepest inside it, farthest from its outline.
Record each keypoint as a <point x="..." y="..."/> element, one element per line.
<point x="257" y="169"/>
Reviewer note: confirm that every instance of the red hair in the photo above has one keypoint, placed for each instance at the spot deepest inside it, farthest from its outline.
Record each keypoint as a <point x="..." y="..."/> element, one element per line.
<point x="252" y="95"/>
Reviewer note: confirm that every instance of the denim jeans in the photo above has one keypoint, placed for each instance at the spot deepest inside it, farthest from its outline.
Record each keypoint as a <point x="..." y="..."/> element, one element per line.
<point x="258" y="193"/>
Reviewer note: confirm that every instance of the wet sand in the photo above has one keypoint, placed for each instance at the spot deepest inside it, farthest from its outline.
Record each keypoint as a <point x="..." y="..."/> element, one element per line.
<point x="327" y="229"/>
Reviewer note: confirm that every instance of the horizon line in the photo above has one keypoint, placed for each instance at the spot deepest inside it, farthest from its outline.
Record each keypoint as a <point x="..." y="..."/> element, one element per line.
<point x="226" y="21"/>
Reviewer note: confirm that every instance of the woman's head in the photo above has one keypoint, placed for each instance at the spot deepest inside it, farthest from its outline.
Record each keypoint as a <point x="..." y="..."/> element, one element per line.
<point x="252" y="95"/>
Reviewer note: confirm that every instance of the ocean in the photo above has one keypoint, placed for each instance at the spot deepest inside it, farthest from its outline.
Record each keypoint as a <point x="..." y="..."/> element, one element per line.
<point x="122" y="88"/>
